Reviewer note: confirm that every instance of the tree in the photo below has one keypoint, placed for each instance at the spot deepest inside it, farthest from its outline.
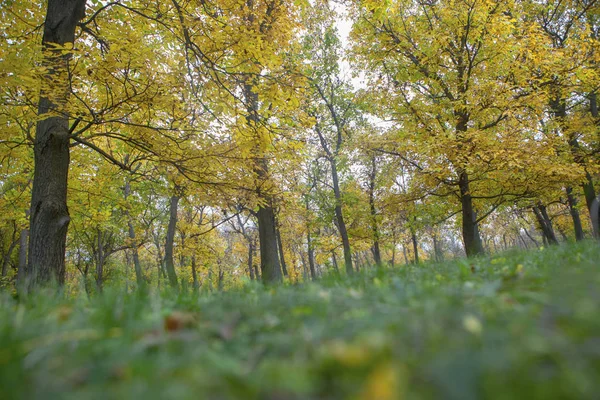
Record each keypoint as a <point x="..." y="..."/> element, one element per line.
<point x="332" y="106"/>
<point x="448" y="74"/>
<point x="49" y="213"/>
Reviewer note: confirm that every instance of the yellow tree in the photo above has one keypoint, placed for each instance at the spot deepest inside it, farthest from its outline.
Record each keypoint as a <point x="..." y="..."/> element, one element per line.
<point x="449" y="76"/>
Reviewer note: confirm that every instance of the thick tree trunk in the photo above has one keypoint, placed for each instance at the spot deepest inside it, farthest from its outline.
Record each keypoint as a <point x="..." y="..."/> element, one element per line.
<point x="470" y="231"/>
<point x="572" y="201"/>
<point x="169" y="261"/>
<point x="49" y="214"/>
<point x="339" y="216"/>
<point x="269" y="255"/>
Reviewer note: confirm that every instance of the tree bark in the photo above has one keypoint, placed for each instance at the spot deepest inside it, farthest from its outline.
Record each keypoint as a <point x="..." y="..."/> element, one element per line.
<point x="341" y="223"/>
<point x="280" y="247"/>
<point x="374" y="225"/>
<point x="160" y="258"/>
<point x="335" y="263"/>
<point x="257" y="273"/>
<point x="405" y="255"/>
<point x="169" y="261"/>
<point x="250" y="259"/>
<point x="139" y="277"/>
<point x="269" y="255"/>
<point x="545" y="224"/>
<point x="437" y="250"/>
<point x="309" y="245"/>
<point x="590" y="196"/>
<point x="311" y="256"/>
<point x="470" y="231"/>
<point x="559" y="109"/>
<point x="49" y="213"/>
<point x="7" y="256"/>
<point x="572" y="201"/>
<point x="415" y="244"/>
<point x="195" y="275"/>
<point x="23" y="244"/>
<point x="100" y="258"/>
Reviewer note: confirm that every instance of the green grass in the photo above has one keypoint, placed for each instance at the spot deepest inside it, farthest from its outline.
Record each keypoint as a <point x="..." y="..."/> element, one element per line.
<point x="522" y="326"/>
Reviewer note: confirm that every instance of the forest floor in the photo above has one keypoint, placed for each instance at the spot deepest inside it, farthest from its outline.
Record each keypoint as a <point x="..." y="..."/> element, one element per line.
<point x="519" y="325"/>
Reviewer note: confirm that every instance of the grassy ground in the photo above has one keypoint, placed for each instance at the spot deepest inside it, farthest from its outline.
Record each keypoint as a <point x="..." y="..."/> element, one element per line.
<point x="519" y="325"/>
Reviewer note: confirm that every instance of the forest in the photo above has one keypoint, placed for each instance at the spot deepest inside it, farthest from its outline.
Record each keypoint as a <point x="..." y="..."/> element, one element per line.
<point x="196" y="183"/>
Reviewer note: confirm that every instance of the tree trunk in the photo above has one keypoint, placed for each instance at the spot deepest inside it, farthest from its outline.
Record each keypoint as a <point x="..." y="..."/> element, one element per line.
<point x="100" y="258"/>
<point x="280" y="247"/>
<point x="545" y="224"/>
<point x="341" y="224"/>
<point x="250" y="259"/>
<point x="572" y="201"/>
<point x="335" y="263"/>
<point x="309" y="245"/>
<point x="357" y="265"/>
<point x="7" y="256"/>
<point x="169" y="261"/>
<point x="160" y="259"/>
<point x="23" y="244"/>
<point x="415" y="244"/>
<point x="374" y="225"/>
<point x="559" y="108"/>
<point x="520" y="237"/>
<point x="195" y="275"/>
<point x="470" y="231"/>
<point x="304" y="267"/>
<point x="269" y="256"/>
<point x="311" y="256"/>
<point x="49" y="214"/>
<point x="393" y="260"/>
<point x="437" y="250"/>
<point x="257" y="273"/>
<point x="590" y="196"/>
<point x="139" y="277"/>
<point x="535" y="242"/>
<point x="220" y="280"/>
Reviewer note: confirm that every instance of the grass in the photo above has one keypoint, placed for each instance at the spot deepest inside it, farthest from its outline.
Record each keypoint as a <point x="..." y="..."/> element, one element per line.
<point x="522" y="325"/>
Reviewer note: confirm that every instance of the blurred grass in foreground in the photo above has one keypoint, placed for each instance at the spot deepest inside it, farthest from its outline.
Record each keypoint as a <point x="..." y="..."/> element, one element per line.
<point x="522" y="325"/>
